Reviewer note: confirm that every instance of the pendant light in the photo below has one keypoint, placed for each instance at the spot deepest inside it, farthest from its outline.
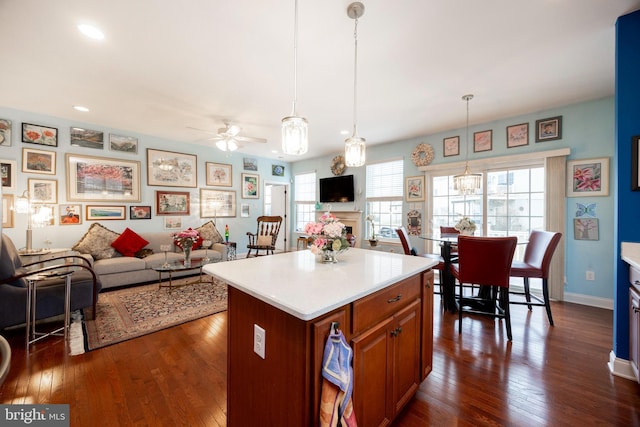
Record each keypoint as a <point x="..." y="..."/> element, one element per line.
<point x="468" y="182"/>
<point x="354" y="147"/>
<point x="295" y="134"/>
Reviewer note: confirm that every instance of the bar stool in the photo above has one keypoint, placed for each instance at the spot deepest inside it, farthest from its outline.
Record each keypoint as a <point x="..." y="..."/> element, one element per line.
<point x="302" y="241"/>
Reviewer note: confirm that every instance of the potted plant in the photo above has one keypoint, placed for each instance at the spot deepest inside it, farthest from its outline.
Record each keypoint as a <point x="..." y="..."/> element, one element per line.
<point x="373" y="241"/>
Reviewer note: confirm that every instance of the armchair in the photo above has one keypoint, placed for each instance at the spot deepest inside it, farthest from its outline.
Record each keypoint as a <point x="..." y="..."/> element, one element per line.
<point x="85" y="286"/>
<point x="264" y="239"/>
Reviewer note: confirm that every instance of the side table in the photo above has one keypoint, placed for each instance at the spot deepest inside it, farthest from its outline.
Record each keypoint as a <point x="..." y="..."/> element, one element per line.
<point x="32" y="335"/>
<point x="41" y="255"/>
<point x="231" y="250"/>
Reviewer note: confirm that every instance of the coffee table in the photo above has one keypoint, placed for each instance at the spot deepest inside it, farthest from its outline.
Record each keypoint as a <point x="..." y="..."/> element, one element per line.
<point x="170" y="268"/>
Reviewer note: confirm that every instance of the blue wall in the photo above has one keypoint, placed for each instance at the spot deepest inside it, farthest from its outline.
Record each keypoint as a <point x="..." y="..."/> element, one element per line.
<point x="627" y="203"/>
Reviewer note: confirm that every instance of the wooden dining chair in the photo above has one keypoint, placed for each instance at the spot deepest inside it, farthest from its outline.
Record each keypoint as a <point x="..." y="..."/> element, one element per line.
<point x="485" y="261"/>
<point x="264" y="239"/>
<point x="535" y="264"/>
<point x="408" y="250"/>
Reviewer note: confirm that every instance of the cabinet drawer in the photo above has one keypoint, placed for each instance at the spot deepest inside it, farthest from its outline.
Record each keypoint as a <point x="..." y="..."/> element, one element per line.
<point x="375" y="307"/>
<point x="634" y="277"/>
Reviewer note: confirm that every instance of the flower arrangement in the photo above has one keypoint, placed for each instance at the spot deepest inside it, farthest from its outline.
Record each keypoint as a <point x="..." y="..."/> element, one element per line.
<point x="373" y="227"/>
<point x="328" y="234"/>
<point x="186" y="239"/>
<point x="465" y="225"/>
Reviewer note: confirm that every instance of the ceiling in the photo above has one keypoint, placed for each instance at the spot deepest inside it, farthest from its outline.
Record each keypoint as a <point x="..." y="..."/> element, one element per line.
<point x="166" y="66"/>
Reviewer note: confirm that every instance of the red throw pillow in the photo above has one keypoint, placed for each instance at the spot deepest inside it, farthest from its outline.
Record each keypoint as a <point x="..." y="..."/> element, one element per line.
<point x="128" y="243"/>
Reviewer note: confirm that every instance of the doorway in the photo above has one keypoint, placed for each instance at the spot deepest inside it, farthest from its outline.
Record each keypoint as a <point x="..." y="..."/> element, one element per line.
<point x="276" y="202"/>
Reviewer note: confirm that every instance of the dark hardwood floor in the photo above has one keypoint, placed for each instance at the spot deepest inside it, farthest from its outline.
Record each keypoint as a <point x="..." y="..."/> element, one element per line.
<point x="555" y="376"/>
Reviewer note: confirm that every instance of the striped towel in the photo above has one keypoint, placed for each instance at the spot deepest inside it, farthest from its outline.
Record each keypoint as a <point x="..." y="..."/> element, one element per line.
<point x="336" y="407"/>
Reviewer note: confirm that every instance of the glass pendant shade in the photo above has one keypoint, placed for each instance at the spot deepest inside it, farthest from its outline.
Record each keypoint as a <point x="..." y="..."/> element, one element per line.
<point x="227" y="145"/>
<point x="295" y="135"/>
<point x="354" y="151"/>
<point x="468" y="182"/>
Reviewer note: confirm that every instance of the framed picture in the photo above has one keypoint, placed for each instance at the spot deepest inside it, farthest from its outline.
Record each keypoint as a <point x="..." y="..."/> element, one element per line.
<point x="250" y="186"/>
<point x="585" y="229"/>
<point x="588" y="177"/>
<point x="38" y="161"/>
<point x="217" y="203"/>
<point x="139" y="212"/>
<point x="173" y="223"/>
<point x="277" y="170"/>
<point x="549" y="129"/>
<point x="124" y="144"/>
<point x="451" y="146"/>
<point x="250" y="164"/>
<point x="99" y="178"/>
<point x="8" y="174"/>
<point x="70" y="214"/>
<point x="172" y="203"/>
<point x="45" y="215"/>
<point x="7" y="211"/>
<point x="104" y="213"/>
<point x="87" y="138"/>
<point x="171" y="169"/>
<point x="518" y="135"/>
<point x="635" y="163"/>
<point x="5" y="133"/>
<point x="41" y="135"/>
<point x="43" y="190"/>
<point x="482" y="141"/>
<point x="414" y="188"/>
<point x="219" y="174"/>
<point x="414" y="222"/>
<point x="244" y="210"/>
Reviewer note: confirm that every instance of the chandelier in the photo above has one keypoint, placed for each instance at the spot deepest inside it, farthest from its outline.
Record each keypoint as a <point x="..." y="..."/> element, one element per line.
<point x="295" y="133"/>
<point x="467" y="182"/>
<point x="354" y="147"/>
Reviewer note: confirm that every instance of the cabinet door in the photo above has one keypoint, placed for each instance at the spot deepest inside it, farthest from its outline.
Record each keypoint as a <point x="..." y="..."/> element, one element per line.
<point x="426" y="362"/>
<point x="405" y="337"/>
<point x="634" y="331"/>
<point x="371" y="365"/>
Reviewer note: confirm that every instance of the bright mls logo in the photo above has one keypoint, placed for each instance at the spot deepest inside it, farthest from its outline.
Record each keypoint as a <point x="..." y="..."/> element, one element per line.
<point x="37" y="415"/>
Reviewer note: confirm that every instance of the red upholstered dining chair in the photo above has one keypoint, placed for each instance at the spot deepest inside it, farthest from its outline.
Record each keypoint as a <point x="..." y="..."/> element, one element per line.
<point x="448" y="230"/>
<point x="485" y="261"/>
<point x="408" y="250"/>
<point x="537" y="258"/>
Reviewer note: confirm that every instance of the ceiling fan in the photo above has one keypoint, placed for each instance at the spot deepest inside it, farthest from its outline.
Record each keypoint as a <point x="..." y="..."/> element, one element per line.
<point x="228" y="138"/>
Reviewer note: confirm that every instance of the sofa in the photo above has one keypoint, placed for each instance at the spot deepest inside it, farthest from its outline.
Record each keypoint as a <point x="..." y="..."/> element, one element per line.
<point x="85" y="286"/>
<point x="133" y="263"/>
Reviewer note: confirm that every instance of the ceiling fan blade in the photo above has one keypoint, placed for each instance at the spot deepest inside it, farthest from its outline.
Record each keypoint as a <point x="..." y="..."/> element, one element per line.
<point x="202" y="130"/>
<point x="249" y="139"/>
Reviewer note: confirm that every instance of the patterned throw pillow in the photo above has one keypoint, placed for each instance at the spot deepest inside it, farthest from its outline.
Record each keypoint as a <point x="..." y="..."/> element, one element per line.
<point x="129" y="242"/>
<point x="143" y="253"/>
<point x="208" y="231"/>
<point x="97" y="242"/>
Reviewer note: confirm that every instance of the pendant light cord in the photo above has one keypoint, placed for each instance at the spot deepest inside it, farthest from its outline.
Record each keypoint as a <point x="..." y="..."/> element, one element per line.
<point x="295" y="58"/>
<point x="355" y="78"/>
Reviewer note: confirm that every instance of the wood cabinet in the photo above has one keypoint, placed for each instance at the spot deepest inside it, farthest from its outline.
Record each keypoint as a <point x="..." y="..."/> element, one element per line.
<point x="634" y="321"/>
<point x="390" y="356"/>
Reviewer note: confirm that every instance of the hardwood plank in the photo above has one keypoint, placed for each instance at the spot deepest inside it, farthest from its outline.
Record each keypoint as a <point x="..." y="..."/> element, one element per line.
<point x="545" y="376"/>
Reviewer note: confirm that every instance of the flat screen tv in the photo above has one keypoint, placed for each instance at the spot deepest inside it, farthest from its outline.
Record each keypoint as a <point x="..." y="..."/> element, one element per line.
<point x="337" y="189"/>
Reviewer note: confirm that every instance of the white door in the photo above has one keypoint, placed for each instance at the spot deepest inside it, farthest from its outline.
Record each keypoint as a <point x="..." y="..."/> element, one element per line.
<point x="277" y="204"/>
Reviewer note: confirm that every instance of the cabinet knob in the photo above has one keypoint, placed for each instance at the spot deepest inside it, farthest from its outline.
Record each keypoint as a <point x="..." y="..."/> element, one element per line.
<point x="636" y="309"/>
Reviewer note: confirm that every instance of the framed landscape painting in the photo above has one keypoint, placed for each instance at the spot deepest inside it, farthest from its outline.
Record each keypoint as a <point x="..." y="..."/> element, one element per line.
<point x="92" y="178"/>
<point x="171" y="169"/>
<point x="104" y="213"/>
<point x="39" y="161"/>
<point x="87" y="138"/>
<point x="124" y="144"/>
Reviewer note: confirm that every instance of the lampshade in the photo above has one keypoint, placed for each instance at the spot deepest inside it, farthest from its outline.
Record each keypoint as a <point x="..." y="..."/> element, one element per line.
<point x="354" y="147"/>
<point x="467" y="183"/>
<point x="295" y="133"/>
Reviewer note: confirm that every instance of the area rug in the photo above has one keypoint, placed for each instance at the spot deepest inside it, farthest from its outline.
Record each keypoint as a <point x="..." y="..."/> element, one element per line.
<point x="123" y="314"/>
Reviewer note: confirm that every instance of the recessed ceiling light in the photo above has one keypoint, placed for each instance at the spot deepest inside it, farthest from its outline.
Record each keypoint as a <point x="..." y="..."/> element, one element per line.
<point x="91" y="31"/>
<point x="81" y="108"/>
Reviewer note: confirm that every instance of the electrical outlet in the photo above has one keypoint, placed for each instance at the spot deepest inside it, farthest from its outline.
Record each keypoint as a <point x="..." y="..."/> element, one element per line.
<point x="591" y="275"/>
<point x="259" y="340"/>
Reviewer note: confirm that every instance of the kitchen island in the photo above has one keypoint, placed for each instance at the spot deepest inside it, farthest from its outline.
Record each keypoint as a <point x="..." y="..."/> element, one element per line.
<point x="383" y="303"/>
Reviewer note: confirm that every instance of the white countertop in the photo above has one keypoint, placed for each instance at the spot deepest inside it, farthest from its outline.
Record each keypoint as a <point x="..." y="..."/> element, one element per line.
<point x="630" y="253"/>
<point x="298" y="284"/>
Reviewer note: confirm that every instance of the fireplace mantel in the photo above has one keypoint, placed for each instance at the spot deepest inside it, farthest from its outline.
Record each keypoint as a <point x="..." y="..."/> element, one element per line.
<point x="351" y="219"/>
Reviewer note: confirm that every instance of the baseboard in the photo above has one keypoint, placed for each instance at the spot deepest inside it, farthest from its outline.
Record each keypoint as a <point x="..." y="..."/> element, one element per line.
<point x="620" y="367"/>
<point x="589" y="300"/>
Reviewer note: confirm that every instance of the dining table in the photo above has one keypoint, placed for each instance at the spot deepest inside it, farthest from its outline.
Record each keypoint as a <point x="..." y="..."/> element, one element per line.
<point x="447" y="281"/>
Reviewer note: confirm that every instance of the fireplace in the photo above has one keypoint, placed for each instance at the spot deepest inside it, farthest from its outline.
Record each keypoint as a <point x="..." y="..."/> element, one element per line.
<point x="351" y="219"/>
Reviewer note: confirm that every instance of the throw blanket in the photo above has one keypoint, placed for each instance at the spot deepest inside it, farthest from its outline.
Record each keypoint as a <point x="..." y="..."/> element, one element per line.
<point x="336" y="407"/>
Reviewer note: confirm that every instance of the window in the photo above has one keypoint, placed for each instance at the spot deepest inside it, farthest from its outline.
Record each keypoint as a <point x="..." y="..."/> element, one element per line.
<point x="305" y="199"/>
<point x="384" y="198"/>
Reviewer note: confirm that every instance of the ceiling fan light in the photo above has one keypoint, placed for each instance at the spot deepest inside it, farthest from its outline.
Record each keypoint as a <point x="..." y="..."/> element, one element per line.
<point x="226" y="145"/>
<point x="354" y="151"/>
<point x="295" y="135"/>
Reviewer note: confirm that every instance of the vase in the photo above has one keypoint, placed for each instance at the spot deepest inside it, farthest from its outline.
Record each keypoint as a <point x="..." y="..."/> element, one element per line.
<point x="187" y="255"/>
<point x="467" y="232"/>
<point x="328" y="256"/>
<point x="373" y="242"/>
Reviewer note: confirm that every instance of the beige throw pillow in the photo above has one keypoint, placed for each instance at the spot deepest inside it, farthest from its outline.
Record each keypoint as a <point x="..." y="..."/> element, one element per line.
<point x="208" y="231"/>
<point x="97" y="242"/>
